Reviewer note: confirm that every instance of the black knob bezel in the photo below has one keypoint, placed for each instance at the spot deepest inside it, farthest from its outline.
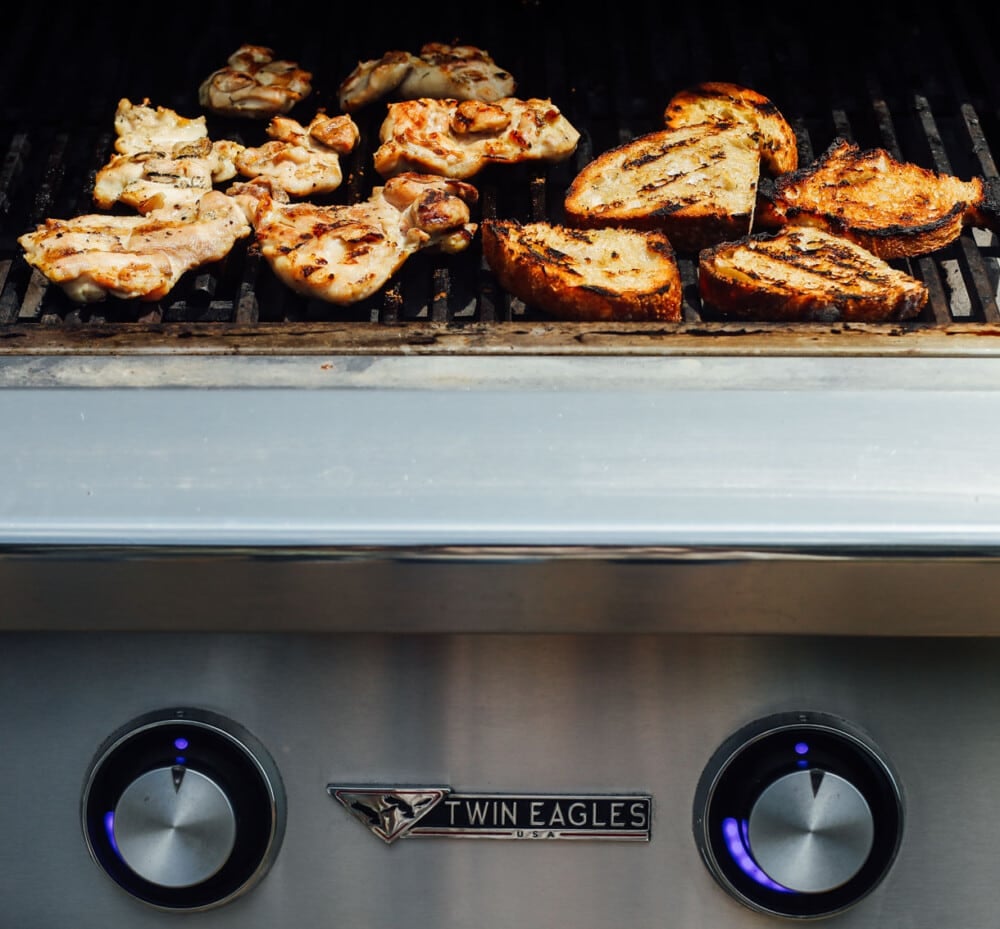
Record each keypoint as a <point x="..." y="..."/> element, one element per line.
<point x="756" y="756"/>
<point x="221" y="750"/>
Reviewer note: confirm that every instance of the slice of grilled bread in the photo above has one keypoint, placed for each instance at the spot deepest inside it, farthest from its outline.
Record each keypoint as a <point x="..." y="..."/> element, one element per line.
<point x="805" y="274"/>
<point x="585" y="274"/>
<point x="894" y="209"/>
<point x="723" y="101"/>
<point x="697" y="184"/>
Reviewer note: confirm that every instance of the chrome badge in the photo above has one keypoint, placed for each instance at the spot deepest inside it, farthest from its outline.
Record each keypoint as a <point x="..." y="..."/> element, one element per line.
<point x="414" y="812"/>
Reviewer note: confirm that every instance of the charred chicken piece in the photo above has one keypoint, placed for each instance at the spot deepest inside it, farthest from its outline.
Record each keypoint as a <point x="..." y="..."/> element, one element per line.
<point x="805" y="274"/>
<point x="457" y="139"/>
<point x="95" y="256"/>
<point x="254" y="85"/>
<point x="345" y="253"/>
<point x="302" y="160"/>
<point x="460" y="72"/>
<point x="894" y="209"/>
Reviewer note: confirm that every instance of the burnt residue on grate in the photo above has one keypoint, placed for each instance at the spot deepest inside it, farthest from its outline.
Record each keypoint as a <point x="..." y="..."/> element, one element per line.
<point x="922" y="82"/>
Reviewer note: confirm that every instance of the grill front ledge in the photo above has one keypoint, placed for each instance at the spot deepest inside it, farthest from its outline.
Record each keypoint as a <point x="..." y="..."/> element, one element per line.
<point x="958" y="339"/>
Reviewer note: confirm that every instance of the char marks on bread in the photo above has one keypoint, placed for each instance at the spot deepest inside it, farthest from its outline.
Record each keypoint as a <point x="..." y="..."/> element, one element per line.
<point x="696" y="183"/>
<point x="727" y="102"/>
<point x="804" y="273"/>
<point x="894" y="209"/>
<point x="585" y="274"/>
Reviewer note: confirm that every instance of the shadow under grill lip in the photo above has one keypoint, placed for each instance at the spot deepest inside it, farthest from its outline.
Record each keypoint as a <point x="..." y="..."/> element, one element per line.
<point x="926" y="90"/>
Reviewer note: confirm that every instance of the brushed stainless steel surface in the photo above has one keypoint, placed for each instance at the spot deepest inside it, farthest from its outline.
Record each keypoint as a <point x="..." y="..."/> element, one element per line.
<point x="507" y="590"/>
<point x="497" y="713"/>
<point x="811" y="831"/>
<point x="686" y="451"/>
<point x="174" y="827"/>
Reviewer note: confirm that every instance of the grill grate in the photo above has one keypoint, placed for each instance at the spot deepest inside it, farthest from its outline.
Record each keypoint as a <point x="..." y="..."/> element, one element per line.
<point x="922" y="83"/>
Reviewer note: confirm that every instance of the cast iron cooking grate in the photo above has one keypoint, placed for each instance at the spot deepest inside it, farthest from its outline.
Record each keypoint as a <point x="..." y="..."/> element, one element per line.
<point x="922" y="82"/>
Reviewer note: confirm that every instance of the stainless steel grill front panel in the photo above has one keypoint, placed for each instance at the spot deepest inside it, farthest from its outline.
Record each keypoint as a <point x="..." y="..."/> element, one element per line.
<point x="493" y="713"/>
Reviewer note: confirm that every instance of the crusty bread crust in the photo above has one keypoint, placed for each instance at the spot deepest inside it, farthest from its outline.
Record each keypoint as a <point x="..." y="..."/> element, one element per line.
<point x="697" y="184"/>
<point x="720" y="100"/>
<point x="805" y="274"/>
<point x="585" y="274"/>
<point x="893" y="209"/>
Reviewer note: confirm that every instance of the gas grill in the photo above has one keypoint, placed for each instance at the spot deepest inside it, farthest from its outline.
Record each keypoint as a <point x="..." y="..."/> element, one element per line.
<point x="695" y="622"/>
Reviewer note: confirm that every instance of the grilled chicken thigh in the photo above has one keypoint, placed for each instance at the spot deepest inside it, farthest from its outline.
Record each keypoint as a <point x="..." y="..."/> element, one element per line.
<point x="140" y="127"/>
<point x="95" y="256"/>
<point x="162" y="159"/>
<point x="345" y="253"/>
<point x="302" y="160"/>
<point x="254" y="85"/>
<point x="177" y="176"/>
<point x="457" y="139"/>
<point x="460" y="72"/>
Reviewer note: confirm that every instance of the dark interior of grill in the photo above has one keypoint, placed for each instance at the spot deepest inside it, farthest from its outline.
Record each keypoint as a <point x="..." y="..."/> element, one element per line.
<point x="922" y="81"/>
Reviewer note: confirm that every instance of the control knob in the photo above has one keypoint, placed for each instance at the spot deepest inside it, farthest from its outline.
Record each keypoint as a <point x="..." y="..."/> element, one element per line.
<point x="798" y="815"/>
<point x="184" y="809"/>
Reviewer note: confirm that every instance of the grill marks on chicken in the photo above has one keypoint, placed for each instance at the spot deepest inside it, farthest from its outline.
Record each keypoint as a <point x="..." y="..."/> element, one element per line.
<point x="177" y="176"/>
<point x="164" y="166"/>
<point x="254" y="85"/>
<point x="96" y="255"/>
<point x="161" y="159"/>
<point x="458" y="138"/>
<point x="460" y="72"/>
<point x="894" y="209"/>
<point x="140" y="127"/>
<point x="345" y="253"/>
<point x="302" y="160"/>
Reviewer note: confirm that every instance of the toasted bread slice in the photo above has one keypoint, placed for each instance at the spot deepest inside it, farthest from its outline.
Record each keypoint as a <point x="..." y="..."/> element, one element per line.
<point x="585" y="274"/>
<point x="805" y="274"/>
<point x="697" y="184"/>
<point x="722" y="101"/>
<point x="894" y="209"/>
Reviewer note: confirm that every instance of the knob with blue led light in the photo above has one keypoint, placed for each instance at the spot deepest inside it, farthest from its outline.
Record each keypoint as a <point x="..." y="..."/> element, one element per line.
<point x="798" y="815"/>
<point x="184" y="809"/>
